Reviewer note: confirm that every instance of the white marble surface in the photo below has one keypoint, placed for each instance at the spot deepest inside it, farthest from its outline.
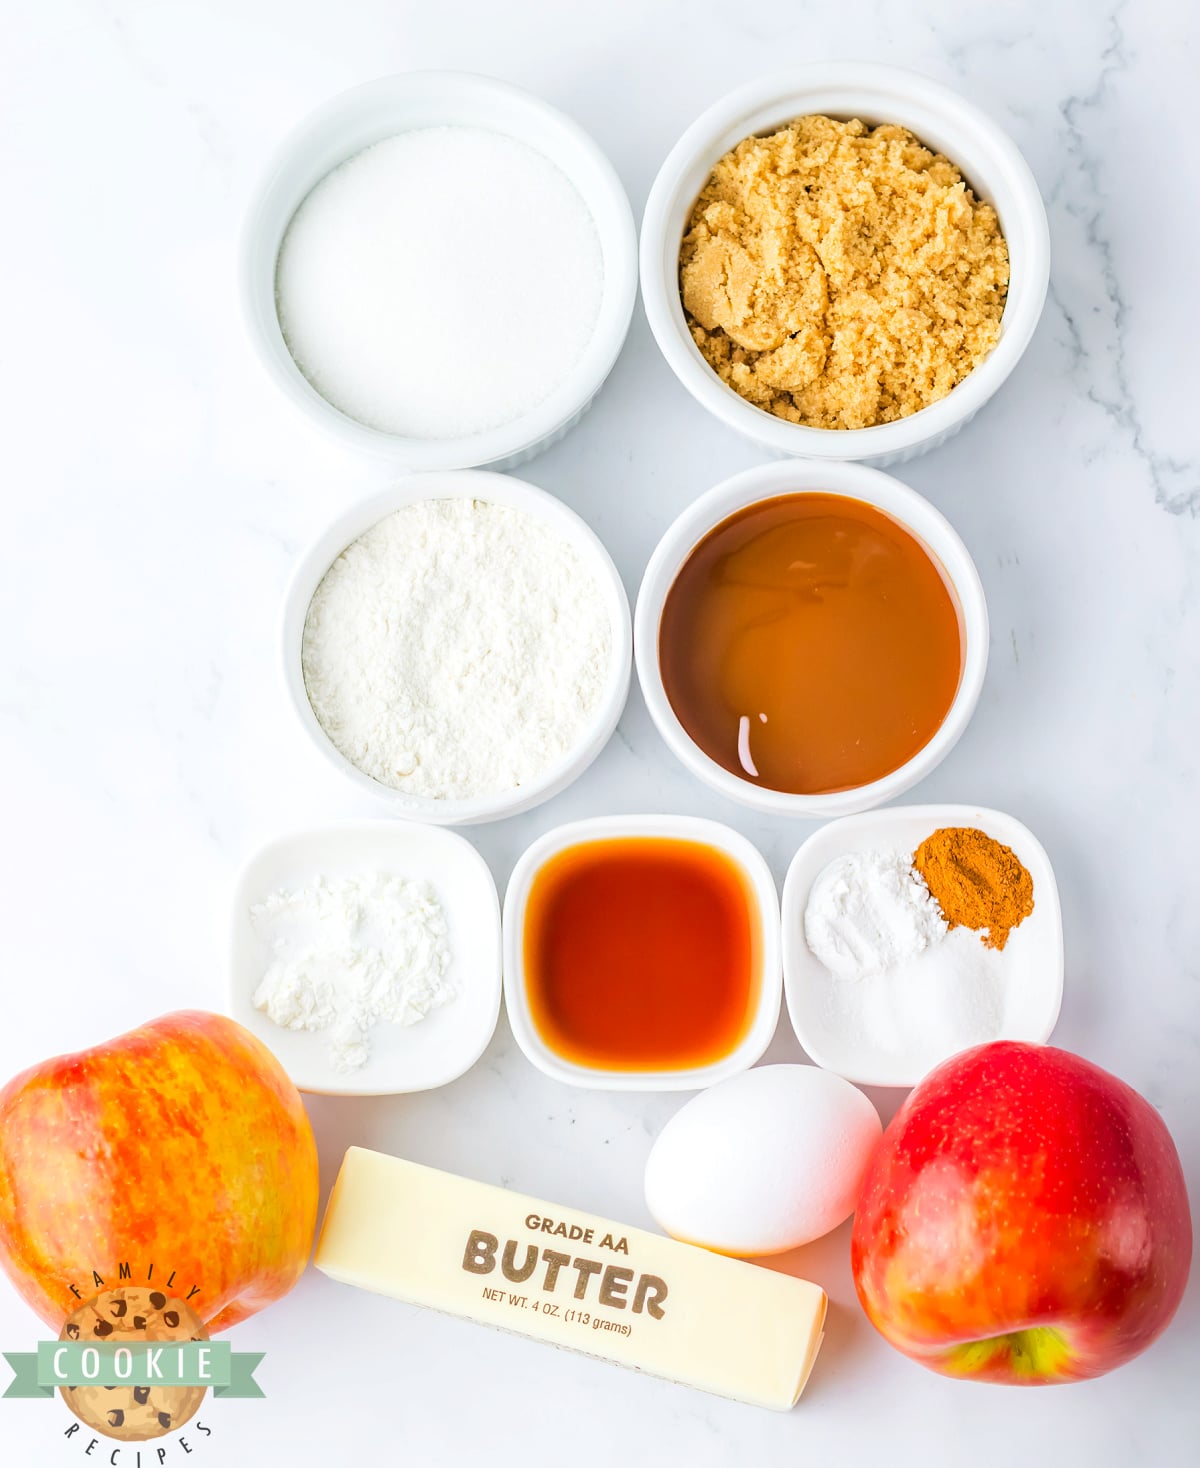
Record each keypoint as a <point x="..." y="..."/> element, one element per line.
<point x="156" y="493"/>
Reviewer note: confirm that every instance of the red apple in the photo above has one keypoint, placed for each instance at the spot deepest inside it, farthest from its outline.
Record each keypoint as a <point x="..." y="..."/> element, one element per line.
<point x="1024" y="1219"/>
<point x="181" y="1148"/>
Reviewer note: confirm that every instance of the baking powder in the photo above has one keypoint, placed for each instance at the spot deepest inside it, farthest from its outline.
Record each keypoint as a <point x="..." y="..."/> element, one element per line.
<point x="869" y="911"/>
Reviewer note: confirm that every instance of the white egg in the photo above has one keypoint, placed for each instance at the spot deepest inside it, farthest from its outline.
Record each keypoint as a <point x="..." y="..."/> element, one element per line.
<point x="763" y="1162"/>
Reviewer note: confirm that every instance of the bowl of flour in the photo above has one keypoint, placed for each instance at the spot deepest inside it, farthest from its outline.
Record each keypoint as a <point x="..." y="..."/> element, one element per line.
<point x="459" y="646"/>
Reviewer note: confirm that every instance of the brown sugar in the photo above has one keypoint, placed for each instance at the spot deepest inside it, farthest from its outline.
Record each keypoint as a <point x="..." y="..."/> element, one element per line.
<point x="976" y="881"/>
<point x="841" y="276"/>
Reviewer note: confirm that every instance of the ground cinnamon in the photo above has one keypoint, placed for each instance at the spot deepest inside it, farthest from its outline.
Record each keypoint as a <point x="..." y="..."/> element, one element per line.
<point x="977" y="882"/>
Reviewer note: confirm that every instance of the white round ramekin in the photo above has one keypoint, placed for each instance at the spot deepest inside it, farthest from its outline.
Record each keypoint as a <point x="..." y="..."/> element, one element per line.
<point x="761" y="893"/>
<point x="940" y="118"/>
<point x="367" y="114"/>
<point x="501" y="489"/>
<point x="796" y="476"/>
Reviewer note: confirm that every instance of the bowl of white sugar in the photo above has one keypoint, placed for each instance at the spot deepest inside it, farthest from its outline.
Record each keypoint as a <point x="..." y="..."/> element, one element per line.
<point x="458" y="645"/>
<point x="439" y="268"/>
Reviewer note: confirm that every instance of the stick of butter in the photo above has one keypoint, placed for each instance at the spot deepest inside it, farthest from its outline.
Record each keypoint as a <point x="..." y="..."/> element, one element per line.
<point x="571" y="1279"/>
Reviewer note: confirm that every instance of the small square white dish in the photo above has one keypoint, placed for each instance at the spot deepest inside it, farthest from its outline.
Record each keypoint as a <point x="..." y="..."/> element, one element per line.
<point x="1032" y="958"/>
<point x="450" y="1039"/>
<point x="761" y="895"/>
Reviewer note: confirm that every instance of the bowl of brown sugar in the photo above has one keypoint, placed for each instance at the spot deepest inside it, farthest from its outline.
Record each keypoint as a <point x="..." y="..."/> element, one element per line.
<point x="845" y="262"/>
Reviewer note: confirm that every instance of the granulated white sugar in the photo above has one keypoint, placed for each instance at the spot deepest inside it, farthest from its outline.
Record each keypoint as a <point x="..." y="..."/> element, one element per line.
<point x="440" y="283"/>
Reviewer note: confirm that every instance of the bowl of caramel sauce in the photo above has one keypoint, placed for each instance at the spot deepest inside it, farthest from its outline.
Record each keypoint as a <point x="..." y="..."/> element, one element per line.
<point x="811" y="639"/>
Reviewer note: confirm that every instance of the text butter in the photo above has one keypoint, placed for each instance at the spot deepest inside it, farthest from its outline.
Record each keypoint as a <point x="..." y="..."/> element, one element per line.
<point x="433" y="1239"/>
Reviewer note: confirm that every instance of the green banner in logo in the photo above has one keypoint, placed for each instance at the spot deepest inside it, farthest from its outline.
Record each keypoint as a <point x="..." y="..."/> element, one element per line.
<point x="213" y="1364"/>
<point x="25" y="1375"/>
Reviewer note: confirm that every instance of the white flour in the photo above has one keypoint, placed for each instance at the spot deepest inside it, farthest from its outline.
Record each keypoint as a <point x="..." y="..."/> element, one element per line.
<point x="350" y="954"/>
<point x="458" y="648"/>
<point x="870" y="911"/>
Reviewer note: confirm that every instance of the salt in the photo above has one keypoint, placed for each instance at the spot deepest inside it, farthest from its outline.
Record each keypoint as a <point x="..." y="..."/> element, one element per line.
<point x="945" y="999"/>
<point x="440" y="283"/>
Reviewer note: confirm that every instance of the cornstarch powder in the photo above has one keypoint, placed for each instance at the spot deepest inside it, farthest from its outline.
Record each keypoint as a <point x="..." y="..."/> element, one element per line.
<point x="459" y="648"/>
<point x="440" y="283"/>
<point x="350" y="953"/>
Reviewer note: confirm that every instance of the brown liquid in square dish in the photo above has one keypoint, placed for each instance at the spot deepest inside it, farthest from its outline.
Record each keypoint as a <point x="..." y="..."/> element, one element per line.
<point x="641" y="953"/>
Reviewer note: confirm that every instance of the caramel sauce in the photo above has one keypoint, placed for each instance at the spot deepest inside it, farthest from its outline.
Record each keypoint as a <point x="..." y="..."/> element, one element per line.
<point x="811" y="643"/>
<point x="641" y="953"/>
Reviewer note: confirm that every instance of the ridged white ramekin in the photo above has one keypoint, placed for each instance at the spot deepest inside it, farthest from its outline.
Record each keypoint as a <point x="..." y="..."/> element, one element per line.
<point x="941" y="119"/>
<point x="354" y="120"/>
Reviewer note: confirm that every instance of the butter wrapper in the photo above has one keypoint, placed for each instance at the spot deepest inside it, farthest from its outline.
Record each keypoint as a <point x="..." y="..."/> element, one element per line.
<point x="571" y="1279"/>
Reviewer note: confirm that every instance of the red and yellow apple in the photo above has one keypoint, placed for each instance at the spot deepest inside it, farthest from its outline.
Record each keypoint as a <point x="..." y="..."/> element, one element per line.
<point x="180" y="1148"/>
<point x="1024" y="1219"/>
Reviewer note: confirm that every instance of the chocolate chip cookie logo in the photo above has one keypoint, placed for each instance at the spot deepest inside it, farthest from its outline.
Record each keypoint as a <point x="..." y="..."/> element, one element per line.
<point x="133" y="1317"/>
<point x="134" y="1363"/>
